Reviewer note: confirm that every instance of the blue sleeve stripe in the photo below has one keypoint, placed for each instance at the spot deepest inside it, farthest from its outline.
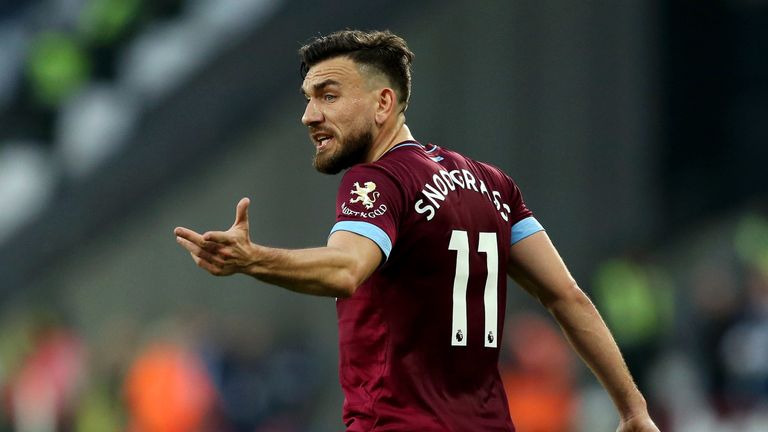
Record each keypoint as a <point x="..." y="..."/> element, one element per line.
<point x="367" y="230"/>
<point x="525" y="228"/>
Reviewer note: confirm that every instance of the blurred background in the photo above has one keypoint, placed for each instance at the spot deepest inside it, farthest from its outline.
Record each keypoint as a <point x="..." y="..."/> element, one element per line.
<point x="637" y="130"/>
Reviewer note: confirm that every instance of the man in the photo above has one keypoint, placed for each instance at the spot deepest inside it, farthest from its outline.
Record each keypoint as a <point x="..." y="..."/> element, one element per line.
<point x="414" y="259"/>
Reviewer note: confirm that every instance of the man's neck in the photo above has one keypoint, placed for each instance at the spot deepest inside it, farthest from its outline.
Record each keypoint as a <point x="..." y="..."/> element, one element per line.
<point x="389" y="139"/>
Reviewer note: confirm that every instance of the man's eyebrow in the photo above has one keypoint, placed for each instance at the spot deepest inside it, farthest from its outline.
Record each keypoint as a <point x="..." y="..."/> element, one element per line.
<point x="321" y="85"/>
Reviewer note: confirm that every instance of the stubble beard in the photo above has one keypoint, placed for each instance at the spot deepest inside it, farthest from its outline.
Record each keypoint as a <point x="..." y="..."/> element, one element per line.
<point x="347" y="154"/>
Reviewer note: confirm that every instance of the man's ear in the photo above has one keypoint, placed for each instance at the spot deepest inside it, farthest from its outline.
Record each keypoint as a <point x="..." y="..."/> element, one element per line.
<point x="386" y="105"/>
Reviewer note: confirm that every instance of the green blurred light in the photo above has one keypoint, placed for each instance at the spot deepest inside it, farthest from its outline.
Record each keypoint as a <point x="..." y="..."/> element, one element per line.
<point x="57" y="66"/>
<point x="751" y="241"/>
<point x="105" y="21"/>
<point x="629" y="303"/>
<point x="98" y="412"/>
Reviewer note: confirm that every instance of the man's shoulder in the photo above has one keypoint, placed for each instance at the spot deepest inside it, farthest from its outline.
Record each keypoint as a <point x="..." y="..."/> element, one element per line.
<point x="370" y="178"/>
<point x="423" y="162"/>
<point x="476" y="165"/>
<point x="375" y="169"/>
<point x="392" y="164"/>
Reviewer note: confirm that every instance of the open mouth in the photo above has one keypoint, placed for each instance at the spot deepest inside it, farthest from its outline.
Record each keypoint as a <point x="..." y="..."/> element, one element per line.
<point x="322" y="141"/>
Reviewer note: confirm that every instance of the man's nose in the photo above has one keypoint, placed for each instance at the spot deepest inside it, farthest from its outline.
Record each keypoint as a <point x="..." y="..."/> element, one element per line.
<point x="312" y="114"/>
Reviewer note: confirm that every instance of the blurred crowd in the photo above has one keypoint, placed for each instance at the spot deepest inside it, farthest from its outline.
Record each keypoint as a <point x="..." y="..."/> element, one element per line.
<point x="691" y="318"/>
<point x="179" y="375"/>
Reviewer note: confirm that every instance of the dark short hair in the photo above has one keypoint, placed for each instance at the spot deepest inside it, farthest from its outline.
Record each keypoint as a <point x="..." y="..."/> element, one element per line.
<point x="383" y="50"/>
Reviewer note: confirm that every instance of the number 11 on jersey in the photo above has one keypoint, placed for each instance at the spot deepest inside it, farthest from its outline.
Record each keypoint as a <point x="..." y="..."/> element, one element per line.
<point x="488" y="245"/>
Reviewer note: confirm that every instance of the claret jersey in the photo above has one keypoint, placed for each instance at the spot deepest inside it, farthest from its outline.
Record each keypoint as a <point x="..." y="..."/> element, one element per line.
<point x="419" y="340"/>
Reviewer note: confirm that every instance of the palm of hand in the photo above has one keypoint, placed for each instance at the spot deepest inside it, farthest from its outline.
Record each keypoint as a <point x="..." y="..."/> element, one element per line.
<point x="231" y="247"/>
<point x="221" y="253"/>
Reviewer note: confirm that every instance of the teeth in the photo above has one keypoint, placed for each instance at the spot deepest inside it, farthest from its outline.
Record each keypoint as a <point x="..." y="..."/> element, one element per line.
<point x="321" y="139"/>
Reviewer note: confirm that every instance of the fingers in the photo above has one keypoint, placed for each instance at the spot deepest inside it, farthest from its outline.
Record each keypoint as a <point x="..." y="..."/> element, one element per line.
<point x="241" y="214"/>
<point x="207" y="266"/>
<point x="211" y="263"/>
<point x="211" y="250"/>
<point x="217" y="237"/>
<point x="199" y="252"/>
<point x="188" y="234"/>
<point x="210" y="241"/>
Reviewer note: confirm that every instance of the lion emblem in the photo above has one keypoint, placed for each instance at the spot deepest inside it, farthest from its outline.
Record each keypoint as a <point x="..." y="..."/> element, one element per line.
<point x="364" y="194"/>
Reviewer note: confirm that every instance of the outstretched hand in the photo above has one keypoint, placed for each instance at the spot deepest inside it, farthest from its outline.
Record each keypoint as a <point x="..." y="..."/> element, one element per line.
<point x="638" y="424"/>
<point x="221" y="253"/>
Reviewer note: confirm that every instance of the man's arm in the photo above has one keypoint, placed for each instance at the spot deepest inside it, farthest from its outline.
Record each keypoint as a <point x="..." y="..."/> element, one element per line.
<point x="335" y="270"/>
<point x="537" y="267"/>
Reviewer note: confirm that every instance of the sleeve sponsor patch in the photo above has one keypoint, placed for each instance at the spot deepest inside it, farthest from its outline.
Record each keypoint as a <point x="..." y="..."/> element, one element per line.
<point x="362" y="202"/>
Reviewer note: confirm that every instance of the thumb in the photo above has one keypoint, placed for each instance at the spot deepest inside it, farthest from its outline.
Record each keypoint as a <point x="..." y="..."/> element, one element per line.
<point x="241" y="214"/>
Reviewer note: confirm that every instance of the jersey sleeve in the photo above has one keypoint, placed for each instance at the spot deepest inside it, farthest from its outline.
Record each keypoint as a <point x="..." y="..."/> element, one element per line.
<point x="523" y="222"/>
<point x="368" y="203"/>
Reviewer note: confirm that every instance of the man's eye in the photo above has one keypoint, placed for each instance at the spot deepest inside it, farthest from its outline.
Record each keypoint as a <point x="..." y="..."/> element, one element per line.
<point x="329" y="97"/>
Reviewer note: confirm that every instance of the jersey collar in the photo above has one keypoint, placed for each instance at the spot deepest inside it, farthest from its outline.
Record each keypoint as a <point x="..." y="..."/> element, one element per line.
<point x="407" y="143"/>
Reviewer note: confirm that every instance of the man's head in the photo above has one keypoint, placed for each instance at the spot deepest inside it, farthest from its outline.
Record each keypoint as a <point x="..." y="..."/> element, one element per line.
<point x="355" y="84"/>
<point x="380" y="52"/>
